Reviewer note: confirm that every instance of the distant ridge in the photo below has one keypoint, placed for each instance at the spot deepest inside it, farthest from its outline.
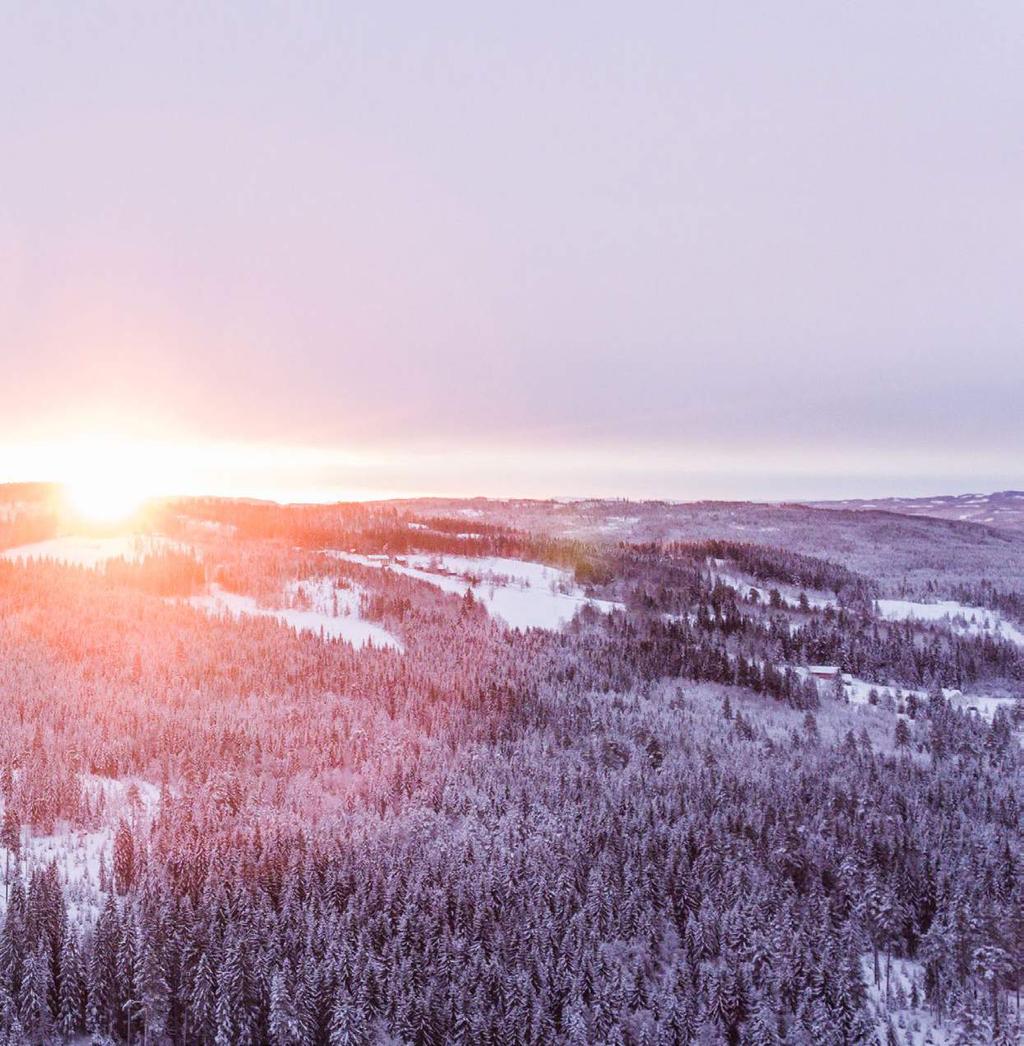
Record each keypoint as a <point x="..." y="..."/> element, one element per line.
<point x="1003" y="509"/>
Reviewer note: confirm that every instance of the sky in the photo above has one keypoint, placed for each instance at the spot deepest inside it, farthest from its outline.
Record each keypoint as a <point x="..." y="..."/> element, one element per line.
<point x="677" y="250"/>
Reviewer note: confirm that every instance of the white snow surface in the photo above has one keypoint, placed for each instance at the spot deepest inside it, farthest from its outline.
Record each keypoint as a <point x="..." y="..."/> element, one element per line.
<point x="965" y="620"/>
<point x="790" y="593"/>
<point x="960" y="618"/>
<point x="915" y="1025"/>
<point x="92" y="552"/>
<point x="317" y="607"/>
<point x="520" y="593"/>
<point x="858" y="692"/>
<point x="77" y="852"/>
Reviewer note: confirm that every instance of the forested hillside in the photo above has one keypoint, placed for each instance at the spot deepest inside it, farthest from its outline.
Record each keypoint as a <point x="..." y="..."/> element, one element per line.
<point x="731" y="791"/>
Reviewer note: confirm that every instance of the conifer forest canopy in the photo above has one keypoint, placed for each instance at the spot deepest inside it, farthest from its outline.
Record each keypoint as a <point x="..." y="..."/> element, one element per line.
<point x="510" y="772"/>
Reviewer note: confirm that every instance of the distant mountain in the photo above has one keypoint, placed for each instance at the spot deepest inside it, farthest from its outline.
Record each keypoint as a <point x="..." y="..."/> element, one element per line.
<point x="894" y="548"/>
<point x="1004" y="509"/>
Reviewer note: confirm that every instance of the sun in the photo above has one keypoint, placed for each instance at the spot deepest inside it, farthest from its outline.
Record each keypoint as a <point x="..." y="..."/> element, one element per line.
<point x="103" y="499"/>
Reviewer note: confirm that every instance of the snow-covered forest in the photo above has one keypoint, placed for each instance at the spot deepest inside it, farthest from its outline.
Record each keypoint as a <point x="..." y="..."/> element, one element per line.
<point x="510" y="773"/>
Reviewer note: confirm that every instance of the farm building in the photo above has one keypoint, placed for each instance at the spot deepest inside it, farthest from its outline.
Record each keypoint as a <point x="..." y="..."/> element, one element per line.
<point x="823" y="671"/>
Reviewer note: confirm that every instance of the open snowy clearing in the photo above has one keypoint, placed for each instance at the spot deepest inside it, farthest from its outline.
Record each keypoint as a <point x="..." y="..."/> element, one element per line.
<point x="965" y="620"/>
<point x="960" y="618"/>
<point x="790" y="593"/>
<point x="858" y="692"/>
<point x="92" y="552"/>
<point x="320" y="608"/>
<point x="520" y="593"/>
<point x="78" y="853"/>
<point x="905" y="1010"/>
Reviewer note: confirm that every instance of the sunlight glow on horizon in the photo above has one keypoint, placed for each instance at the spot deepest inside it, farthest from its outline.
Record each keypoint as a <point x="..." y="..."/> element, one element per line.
<point x="107" y="477"/>
<point x="103" y="500"/>
<point x="103" y="480"/>
<point x="670" y="257"/>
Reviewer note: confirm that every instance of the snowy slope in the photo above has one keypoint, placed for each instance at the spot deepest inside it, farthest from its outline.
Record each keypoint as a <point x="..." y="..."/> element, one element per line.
<point x="859" y="692"/>
<point x="896" y="1000"/>
<point x="78" y="852"/>
<point x="965" y="620"/>
<point x="92" y="552"/>
<point x="746" y="588"/>
<point x="520" y="593"/>
<point x="328" y="611"/>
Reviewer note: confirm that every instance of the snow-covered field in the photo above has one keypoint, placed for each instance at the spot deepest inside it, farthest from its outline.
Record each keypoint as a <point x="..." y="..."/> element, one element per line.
<point x="78" y="853"/>
<point x="858" y="692"/>
<point x="904" y="1010"/>
<point x="520" y="593"/>
<point x="960" y="618"/>
<point x="896" y="1002"/>
<point x="82" y="551"/>
<point x="965" y="620"/>
<point x="790" y="593"/>
<point x="317" y="606"/>
<point x="985" y="705"/>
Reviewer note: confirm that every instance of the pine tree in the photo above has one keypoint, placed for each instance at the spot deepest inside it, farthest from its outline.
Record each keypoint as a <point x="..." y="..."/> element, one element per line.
<point x="993" y="964"/>
<point x="811" y="727"/>
<point x="201" y="998"/>
<point x="902" y="734"/>
<point x="233" y="1008"/>
<point x="36" y="988"/>
<point x="154" y="993"/>
<point x="574" y="1024"/>
<point x="285" y="1027"/>
<point x="971" y="1028"/>
<point x="124" y="859"/>
<point x="10" y="840"/>
<point x="763" y="1028"/>
<point x="347" y="1028"/>
<point x="102" y="1000"/>
<point x="225" y="1008"/>
<point x="70" y="991"/>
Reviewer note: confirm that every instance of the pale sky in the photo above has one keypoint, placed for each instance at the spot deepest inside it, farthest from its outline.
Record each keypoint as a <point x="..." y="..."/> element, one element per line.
<point x="669" y="250"/>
